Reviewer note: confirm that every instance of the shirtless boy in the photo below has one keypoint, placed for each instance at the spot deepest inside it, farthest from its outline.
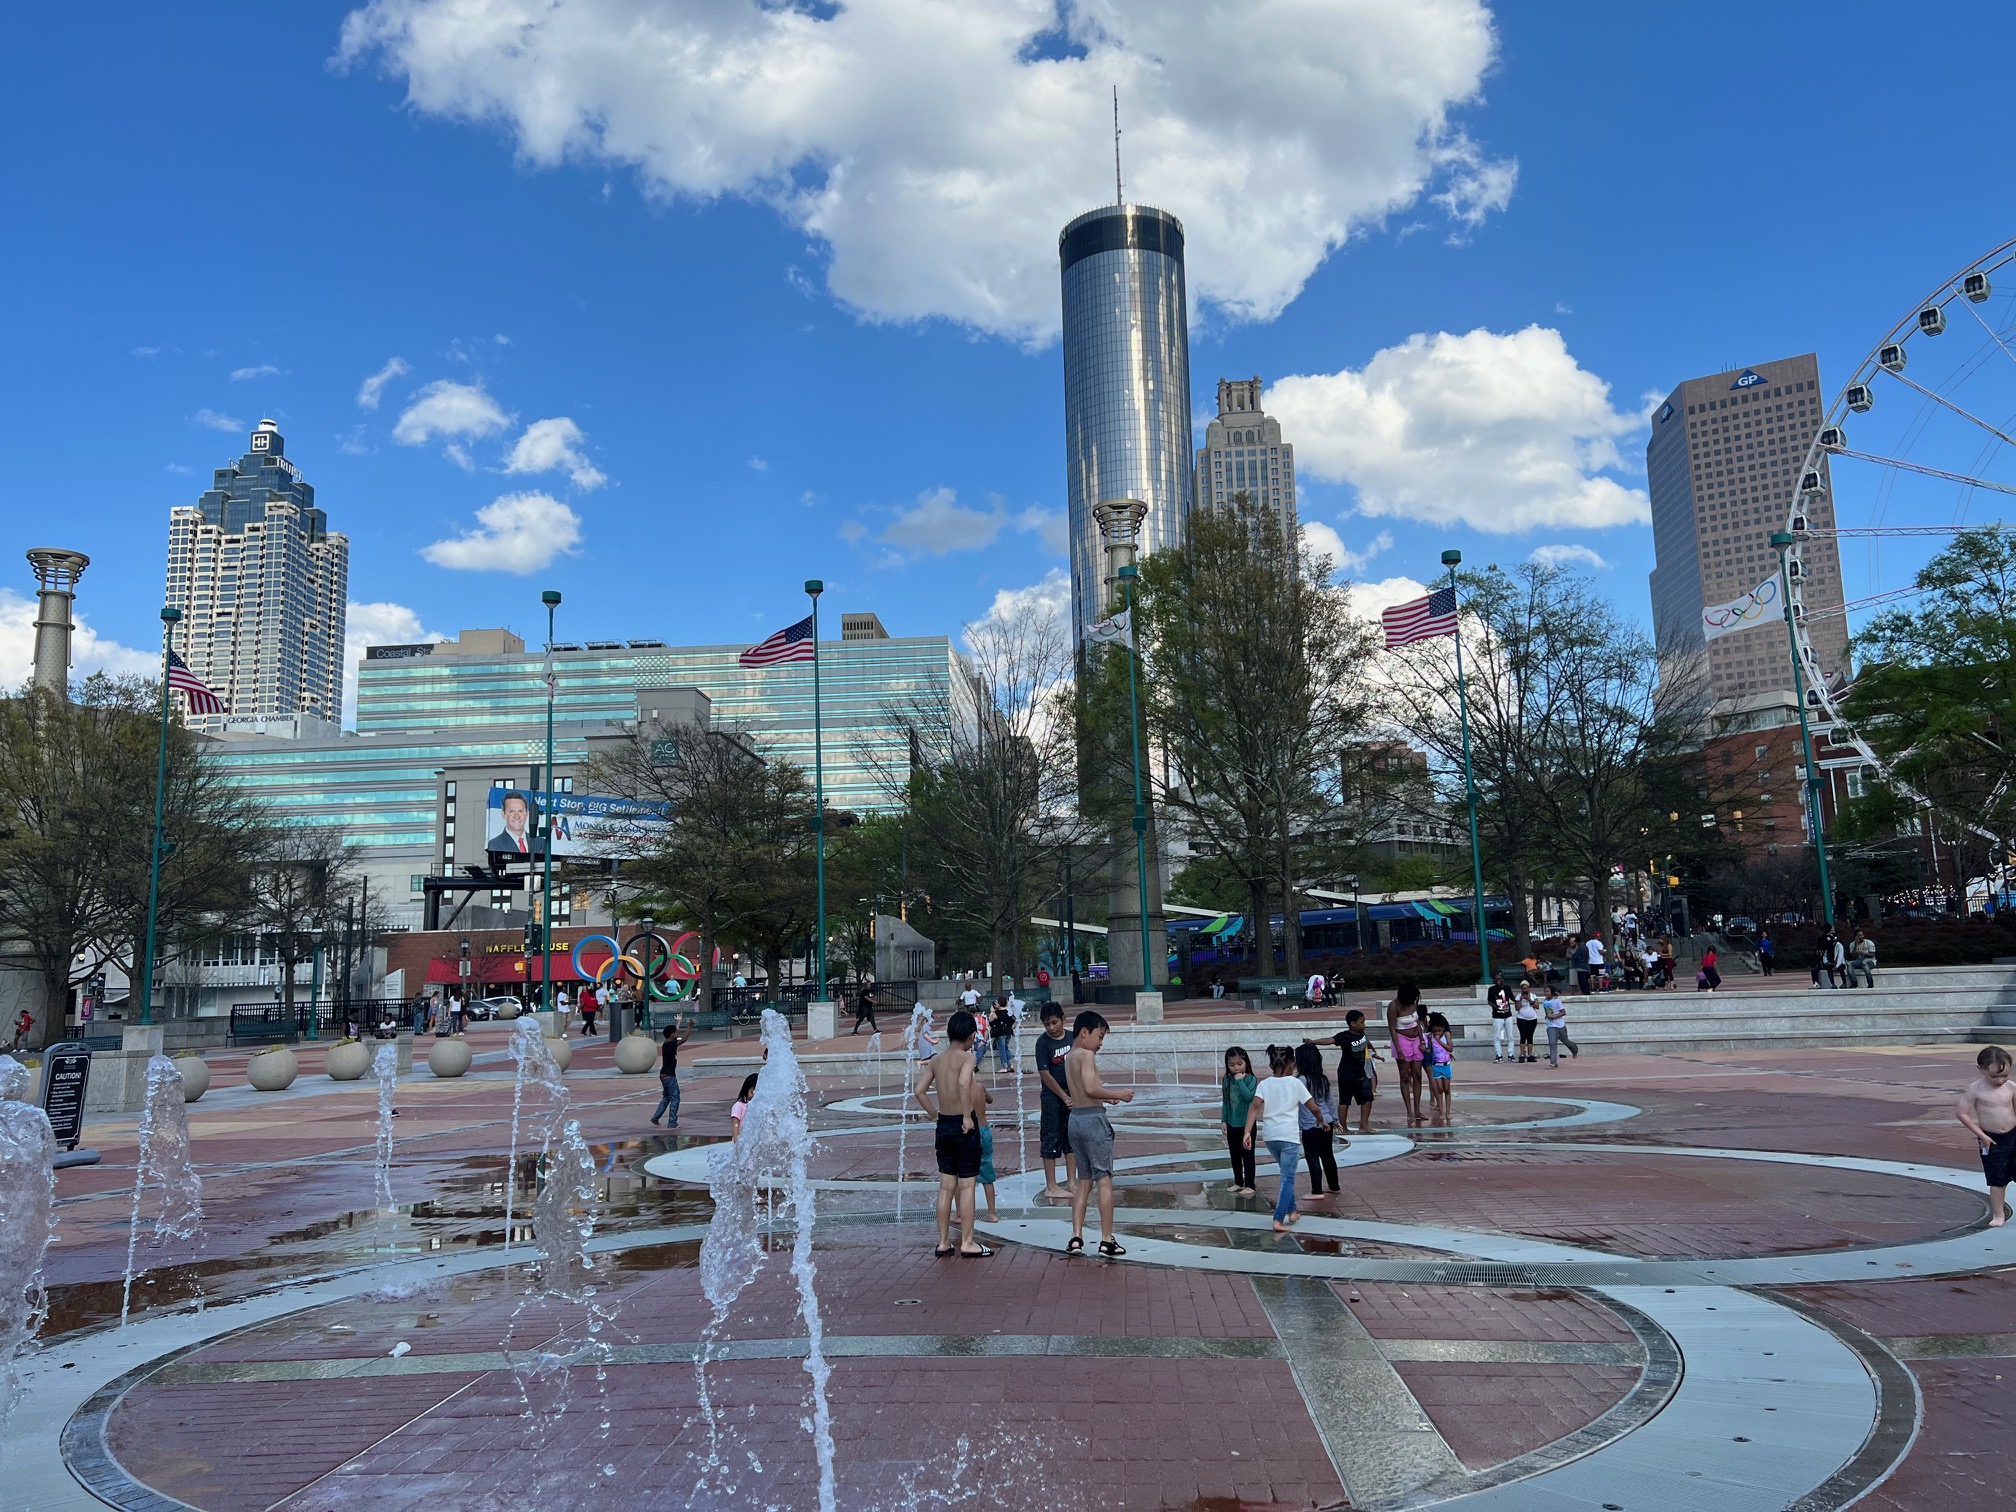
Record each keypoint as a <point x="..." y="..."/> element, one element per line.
<point x="960" y="1110"/>
<point x="1091" y="1133"/>
<point x="1988" y="1108"/>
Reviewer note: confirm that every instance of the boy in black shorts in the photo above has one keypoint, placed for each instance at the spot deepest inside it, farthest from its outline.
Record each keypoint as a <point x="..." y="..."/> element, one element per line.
<point x="960" y="1110"/>
<point x="1357" y="1081"/>
<point x="1056" y="1105"/>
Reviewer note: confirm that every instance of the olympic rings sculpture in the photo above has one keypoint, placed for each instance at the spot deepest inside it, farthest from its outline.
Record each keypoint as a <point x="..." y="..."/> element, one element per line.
<point x="681" y="973"/>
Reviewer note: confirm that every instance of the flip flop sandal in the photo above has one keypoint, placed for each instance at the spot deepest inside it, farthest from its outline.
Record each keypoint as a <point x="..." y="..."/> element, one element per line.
<point x="981" y="1253"/>
<point x="1076" y="1246"/>
<point x="1110" y="1250"/>
<point x="950" y="1249"/>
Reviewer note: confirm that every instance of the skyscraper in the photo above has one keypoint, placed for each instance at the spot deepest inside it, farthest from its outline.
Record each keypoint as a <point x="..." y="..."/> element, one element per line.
<point x="262" y="586"/>
<point x="1723" y="466"/>
<point x="1126" y="383"/>
<point x="1243" y="453"/>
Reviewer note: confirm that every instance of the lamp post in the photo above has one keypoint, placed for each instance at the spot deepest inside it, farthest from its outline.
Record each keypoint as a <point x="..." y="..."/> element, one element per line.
<point x="144" y="982"/>
<point x="1128" y="575"/>
<point x="813" y="588"/>
<point x="1781" y="542"/>
<point x="551" y="599"/>
<point x="1452" y="560"/>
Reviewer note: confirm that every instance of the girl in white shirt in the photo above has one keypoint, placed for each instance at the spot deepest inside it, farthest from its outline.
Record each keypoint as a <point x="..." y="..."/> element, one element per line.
<point x="1276" y="1110"/>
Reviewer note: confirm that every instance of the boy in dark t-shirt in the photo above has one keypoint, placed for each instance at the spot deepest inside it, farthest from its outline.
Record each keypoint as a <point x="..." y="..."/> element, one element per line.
<point x="1357" y="1081"/>
<point x="1056" y="1108"/>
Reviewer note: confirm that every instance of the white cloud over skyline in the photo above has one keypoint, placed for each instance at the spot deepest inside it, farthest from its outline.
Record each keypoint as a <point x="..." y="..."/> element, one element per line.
<point x="516" y="533"/>
<point x="553" y="444"/>
<point x="1567" y="555"/>
<point x="1504" y="433"/>
<point x="263" y="370"/>
<point x="938" y="524"/>
<point x="950" y="206"/>
<point x="212" y="420"/>
<point x="380" y="624"/>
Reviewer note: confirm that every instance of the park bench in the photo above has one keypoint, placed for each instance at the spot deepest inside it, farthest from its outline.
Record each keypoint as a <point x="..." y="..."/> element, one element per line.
<point x="1272" y="992"/>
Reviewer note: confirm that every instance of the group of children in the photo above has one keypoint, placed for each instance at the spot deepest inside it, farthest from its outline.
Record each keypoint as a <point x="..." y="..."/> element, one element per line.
<point x="1523" y="1012"/>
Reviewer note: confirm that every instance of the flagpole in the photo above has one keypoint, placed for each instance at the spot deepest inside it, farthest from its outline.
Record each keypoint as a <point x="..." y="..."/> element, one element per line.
<point x="143" y="982"/>
<point x="814" y="587"/>
<point x="551" y="599"/>
<point x="1451" y="559"/>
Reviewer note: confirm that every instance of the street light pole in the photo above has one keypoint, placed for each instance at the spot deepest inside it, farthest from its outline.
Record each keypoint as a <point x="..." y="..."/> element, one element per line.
<point x="1781" y="541"/>
<point x="144" y="983"/>
<point x="1128" y="575"/>
<point x="551" y="599"/>
<point x="814" y="587"/>
<point x="1452" y="560"/>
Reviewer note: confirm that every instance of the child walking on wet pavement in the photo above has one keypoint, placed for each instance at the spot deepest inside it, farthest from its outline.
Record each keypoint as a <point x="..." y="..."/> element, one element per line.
<point x="1988" y="1109"/>
<point x="1235" y="1096"/>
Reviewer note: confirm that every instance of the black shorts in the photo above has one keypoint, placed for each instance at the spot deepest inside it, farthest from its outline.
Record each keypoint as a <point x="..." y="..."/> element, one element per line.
<point x="1359" y="1092"/>
<point x="1998" y="1161"/>
<point x="1055" y="1138"/>
<point x="958" y="1148"/>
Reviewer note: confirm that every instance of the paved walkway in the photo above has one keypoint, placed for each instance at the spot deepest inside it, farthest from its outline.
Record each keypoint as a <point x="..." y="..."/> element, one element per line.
<point x="1673" y="1281"/>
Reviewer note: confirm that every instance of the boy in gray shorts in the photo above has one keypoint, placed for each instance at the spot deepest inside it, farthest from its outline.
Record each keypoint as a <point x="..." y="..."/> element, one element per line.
<point x="1091" y="1133"/>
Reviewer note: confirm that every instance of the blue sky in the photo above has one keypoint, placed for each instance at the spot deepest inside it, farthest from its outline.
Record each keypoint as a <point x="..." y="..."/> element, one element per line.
<point x="714" y="339"/>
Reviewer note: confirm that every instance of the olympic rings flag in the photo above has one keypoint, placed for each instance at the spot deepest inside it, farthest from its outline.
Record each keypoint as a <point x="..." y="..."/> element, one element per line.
<point x="1755" y="607"/>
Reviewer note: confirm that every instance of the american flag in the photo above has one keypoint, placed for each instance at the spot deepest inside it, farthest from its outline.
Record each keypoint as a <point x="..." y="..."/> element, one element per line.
<point x="1422" y="619"/>
<point x="192" y="687"/>
<point x="788" y="645"/>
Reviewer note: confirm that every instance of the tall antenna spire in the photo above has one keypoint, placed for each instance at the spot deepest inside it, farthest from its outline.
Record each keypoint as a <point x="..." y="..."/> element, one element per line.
<point x="1119" y="188"/>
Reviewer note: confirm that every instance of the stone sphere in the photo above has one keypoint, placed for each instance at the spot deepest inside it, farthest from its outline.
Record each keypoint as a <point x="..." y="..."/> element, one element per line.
<point x="563" y="1053"/>
<point x="272" y="1070"/>
<point x="347" y="1061"/>
<point x="448" y="1056"/>
<point x="636" y="1054"/>
<point x="195" y="1073"/>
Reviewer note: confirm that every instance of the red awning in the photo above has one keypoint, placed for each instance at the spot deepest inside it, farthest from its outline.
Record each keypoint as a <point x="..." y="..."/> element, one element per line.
<point x="503" y="970"/>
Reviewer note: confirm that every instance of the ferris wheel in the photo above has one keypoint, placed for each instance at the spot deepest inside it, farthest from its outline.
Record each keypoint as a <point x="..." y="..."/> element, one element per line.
<point x="1920" y="441"/>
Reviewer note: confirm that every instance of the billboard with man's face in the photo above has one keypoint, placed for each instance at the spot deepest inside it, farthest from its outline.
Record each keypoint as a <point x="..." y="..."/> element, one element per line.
<point x="584" y="824"/>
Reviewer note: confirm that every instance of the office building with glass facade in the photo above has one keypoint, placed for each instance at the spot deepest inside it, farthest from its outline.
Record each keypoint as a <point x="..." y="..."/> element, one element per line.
<point x="1127" y="430"/>
<point x="263" y="589"/>
<point x="1723" y="468"/>
<point x="431" y="715"/>
<point x="1243" y="453"/>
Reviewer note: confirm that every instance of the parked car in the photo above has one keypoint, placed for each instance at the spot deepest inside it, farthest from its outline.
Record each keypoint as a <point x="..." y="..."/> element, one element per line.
<point x="1742" y="924"/>
<point x="493" y="1007"/>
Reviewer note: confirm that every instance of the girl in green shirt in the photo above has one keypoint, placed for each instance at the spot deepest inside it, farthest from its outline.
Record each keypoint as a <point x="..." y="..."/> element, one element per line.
<point x="1236" y="1098"/>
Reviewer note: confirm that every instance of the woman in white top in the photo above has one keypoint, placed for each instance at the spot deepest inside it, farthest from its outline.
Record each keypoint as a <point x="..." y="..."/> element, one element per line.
<point x="1526" y="1014"/>
<point x="1276" y="1109"/>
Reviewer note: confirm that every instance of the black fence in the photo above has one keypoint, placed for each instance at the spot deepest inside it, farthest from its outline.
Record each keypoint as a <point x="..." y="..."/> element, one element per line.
<point x="273" y="1024"/>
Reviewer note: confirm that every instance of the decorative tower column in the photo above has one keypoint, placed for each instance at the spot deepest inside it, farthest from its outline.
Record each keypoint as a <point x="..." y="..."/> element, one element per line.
<point x="56" y="575"/>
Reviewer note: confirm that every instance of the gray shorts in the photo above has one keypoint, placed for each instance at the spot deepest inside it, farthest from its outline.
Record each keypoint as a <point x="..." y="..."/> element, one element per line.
<point x="1092" y="1143"/>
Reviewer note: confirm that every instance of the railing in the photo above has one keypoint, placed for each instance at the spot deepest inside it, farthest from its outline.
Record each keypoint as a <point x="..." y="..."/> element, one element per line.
<point x="273" y="1024"/>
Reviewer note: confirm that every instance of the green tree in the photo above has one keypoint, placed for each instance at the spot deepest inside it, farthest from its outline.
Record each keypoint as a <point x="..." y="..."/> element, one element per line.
<point x="77" y="790"/>
<point x="1936" y="699"/>
<point x="1255" y="685"/>
<point x="739" y="839"/>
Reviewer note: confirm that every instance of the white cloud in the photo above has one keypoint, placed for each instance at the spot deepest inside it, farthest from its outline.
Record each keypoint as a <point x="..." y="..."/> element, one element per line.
<point x="1499" y="432"/>
<point x="1568" y="556"/>
<point x="556" y="443"/>
<point x="852" y="531"/>
<point x="517" y="533"/>
<point x="89" y="651"/>
<point x="177" y="467"/>
<point x="217" y="422"/>
<point x="938" y="523"/>
<point x="1324" y="540"/>
<point x="950" y="206"/>
<point x="372" y="389"/>
<point x="376" y="625"/>
<point x="446" y="408"/>
<point x="1052" y="597"/>
<point x="757" y="464"/>
<point x="146" y="351"/>
<point x="264" y="370"/>
<point x="1368" y="601"/>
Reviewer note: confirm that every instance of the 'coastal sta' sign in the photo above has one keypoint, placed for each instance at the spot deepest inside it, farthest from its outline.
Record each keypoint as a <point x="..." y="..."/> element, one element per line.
<point x="1749" y="379"/>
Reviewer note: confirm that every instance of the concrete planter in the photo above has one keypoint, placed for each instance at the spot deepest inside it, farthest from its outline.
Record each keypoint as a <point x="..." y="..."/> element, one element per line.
<point x="448" y="1058"/>
<point x="272" y="1070"/>
<point x="195" y="1073"/>
<point x="347" y="1060"/>
<point x="563" y="1053"/>
<point x="636" y="1054"/>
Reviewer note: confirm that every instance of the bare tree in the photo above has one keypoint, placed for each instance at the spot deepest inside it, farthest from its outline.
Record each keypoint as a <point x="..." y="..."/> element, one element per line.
<point x="298" y="877"/>
<point x="991" y="786"/>
<point x="737" y="836"/>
